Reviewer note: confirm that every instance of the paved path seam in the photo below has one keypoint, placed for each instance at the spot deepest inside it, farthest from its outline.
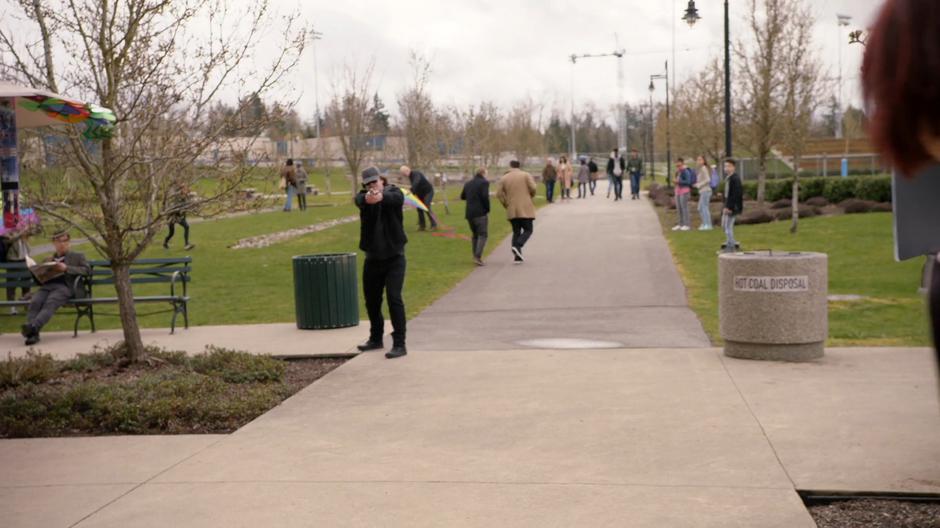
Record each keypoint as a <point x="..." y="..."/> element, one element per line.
<point x="478" y="483"/>
<point x="750" y="410"/>
<point x="139" y="485"/>
<point x="556" y="308"/>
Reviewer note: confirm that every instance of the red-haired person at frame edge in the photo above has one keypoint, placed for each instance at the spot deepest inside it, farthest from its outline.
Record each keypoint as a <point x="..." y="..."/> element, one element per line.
<point x="901" y="84"/>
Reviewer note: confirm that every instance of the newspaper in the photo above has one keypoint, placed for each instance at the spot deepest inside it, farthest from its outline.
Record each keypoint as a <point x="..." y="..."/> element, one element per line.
<point x="45" y="271"/>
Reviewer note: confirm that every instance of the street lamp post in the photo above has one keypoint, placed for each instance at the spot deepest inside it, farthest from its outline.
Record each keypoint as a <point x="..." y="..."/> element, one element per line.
<point x="315" y="36"/>
<point x="652" y="153"/>
<point x="843" y="21"/>
<point x="691" y="17"/>
<point x="665" y="75"/>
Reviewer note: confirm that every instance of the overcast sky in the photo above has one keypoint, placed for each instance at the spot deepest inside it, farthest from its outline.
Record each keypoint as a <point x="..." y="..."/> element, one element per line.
<point x="506" y="50"/>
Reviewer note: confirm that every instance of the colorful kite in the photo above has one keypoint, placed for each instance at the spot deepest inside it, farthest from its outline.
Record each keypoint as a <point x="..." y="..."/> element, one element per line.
<point x="99" y="121"/>
<point x="413" y="201"/>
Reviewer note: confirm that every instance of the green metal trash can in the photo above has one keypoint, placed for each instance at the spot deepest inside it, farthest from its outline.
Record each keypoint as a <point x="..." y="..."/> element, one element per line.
<point x="326" y="291"/>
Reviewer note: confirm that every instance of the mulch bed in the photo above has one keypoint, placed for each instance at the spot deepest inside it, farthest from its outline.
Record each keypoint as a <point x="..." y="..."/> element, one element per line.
<point x="870" y="513"/>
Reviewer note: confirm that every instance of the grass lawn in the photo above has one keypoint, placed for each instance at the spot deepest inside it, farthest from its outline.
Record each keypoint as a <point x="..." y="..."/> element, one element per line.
<point x="256" y="285"/>
<point x="861" y="261"/>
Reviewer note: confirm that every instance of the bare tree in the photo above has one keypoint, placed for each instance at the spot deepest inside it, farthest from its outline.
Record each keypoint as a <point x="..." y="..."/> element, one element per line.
<point x="699" y="106"/>
<point x="349" y="116"/>
<point x="523" y="137"/>
<point x="418" y="115"/>
<point x="483" y="135"/>
<point x="804" y="93"/>
<point x="160" y="65"/>
<point x="763" y="78"/>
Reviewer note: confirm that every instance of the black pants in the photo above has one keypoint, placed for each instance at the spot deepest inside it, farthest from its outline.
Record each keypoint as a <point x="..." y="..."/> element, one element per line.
<point x="521" y="231"/>
<point x="387" y="275"/>
<point x="618" y="187"/>
<point x="181" y="221"/>
<point x="426" y="199"/>
<point x="479" y="226"/>
<point x="302" y="197"/>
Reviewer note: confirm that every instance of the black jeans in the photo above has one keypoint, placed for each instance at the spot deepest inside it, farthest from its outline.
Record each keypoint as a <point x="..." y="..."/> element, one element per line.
<point x="426" y="199"/>
<point x="521" y="231"/>
<point x="181" y="221"/>
<point x="387" y="275"/>
<point x="479" y="226"/>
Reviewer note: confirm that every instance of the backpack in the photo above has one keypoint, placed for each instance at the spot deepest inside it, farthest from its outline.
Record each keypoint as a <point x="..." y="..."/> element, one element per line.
<point x="687" y="177"/>
<point x="715" y="180"/>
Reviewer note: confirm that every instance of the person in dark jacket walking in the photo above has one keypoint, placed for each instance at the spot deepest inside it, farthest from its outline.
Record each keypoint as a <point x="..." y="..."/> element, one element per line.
<point x="593" y="170"/>
<point x="734" y="204"/>
<point x="422" y="188"/>
<point x="476" y="192"/>
<point x="635" y="170"/>
<point x="382" y="237"/>
<point x="549" y="176"/>
<point x="615" y="169"/>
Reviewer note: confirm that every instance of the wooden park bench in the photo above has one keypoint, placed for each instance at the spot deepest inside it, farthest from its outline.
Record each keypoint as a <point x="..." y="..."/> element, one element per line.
<point x="174" y="271"/>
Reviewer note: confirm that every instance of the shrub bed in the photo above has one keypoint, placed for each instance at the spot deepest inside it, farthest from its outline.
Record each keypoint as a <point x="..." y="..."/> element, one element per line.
<point x="171" y="393"/>
<point x="834" y="190"/>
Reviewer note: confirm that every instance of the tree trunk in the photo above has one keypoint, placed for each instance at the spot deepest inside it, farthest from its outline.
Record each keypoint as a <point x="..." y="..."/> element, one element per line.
<point x="795" y="206"/>
<point x="796" y="194"/>
<point x="761" y="178"/>
<point x="128" y="313"/>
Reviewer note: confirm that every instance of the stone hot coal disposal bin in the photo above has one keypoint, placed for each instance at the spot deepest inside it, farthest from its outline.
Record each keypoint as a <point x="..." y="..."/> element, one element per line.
<point x="773" y="305"/>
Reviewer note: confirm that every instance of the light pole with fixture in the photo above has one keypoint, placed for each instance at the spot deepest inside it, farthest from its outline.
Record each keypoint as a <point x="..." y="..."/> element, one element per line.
<point x="315" y="36"/>
<point x="665" y="75"/>
<point x="843" y="21"/>
<point x="652" y="152"/>
<point x="691" y="17"/>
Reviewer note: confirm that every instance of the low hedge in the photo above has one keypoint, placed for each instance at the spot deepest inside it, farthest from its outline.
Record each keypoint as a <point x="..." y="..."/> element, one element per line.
<point x="834" y="190"/>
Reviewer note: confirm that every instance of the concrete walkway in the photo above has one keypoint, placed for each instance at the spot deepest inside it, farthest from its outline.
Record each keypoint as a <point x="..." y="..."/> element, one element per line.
<point x="491" y="430"/>
<point x="595" y="270"/>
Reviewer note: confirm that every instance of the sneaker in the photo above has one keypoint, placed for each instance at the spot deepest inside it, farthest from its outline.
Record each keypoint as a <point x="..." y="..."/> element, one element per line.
<point x="26" y="330"/>
<point x="166" y="246"/>
<point x="479" y="262"/>
<point x="187" y="247"/>
<point x="14" y="311"/>
<point x="676" y="228"/>
<point x="518" y="253"/>
<point x="370" y="345"/>
<point x="33" y="339"/>
<point x="396" y="352"/>
<point x="685" y="228"/>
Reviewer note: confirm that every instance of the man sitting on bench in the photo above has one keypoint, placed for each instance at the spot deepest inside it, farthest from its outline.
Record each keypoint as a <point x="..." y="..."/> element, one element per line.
<point x="58" y="289"/>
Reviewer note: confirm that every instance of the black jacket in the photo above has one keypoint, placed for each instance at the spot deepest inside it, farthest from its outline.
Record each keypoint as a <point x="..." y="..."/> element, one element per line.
<point x="734" y="198"/>
<point x="420" y="185"/>
<point x="383" y="219"/>
<point x="477" y="194"/>
<point x="610" y="166"/>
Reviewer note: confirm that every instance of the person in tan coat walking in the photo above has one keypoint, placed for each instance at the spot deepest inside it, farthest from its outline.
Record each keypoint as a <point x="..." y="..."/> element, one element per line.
<point x="516" y="190"/>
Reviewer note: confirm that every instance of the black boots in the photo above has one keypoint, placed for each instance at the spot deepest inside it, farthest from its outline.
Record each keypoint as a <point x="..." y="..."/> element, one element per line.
<point x="396" y="352"/>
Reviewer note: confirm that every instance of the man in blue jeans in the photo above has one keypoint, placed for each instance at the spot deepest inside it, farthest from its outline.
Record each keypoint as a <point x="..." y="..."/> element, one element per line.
<point x="734" y="204"/>
<point x="635" y="170"/>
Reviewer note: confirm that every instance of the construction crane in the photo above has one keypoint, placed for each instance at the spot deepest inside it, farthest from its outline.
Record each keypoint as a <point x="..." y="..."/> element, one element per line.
<point x="621" y="111"/>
